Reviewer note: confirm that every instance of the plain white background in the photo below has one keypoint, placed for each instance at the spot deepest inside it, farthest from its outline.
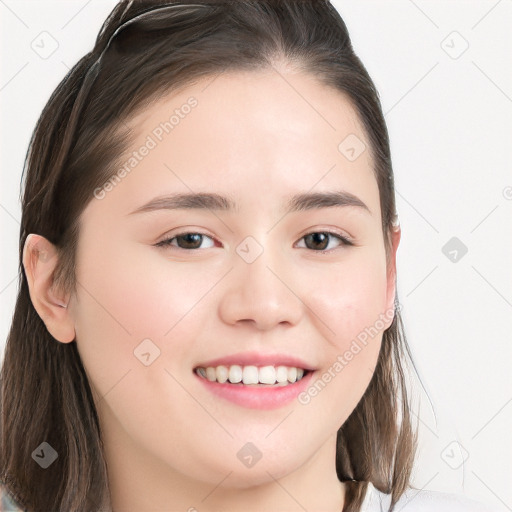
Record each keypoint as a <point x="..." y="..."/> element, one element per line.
<point x="443" y="73"/>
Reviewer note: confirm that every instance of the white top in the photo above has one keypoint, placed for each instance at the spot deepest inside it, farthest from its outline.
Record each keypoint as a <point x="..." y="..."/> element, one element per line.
<point x="414" y="500"/>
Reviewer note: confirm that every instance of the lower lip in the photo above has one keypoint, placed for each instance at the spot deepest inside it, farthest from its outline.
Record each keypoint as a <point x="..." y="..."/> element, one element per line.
<point x="254" y="397"/>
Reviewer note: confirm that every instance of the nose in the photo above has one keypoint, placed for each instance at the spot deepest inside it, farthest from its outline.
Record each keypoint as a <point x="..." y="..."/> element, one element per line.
<point x="262" y="293"/>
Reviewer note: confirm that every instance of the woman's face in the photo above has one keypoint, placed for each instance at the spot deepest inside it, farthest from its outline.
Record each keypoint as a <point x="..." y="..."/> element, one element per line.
<point x="250" y="285"/>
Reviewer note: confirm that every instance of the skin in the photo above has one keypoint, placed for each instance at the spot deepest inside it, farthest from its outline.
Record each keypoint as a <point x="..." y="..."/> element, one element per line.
<point x="169" y="443"/>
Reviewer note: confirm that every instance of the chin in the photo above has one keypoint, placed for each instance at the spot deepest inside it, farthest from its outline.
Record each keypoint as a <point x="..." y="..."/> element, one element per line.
<point x="241" y="476"/>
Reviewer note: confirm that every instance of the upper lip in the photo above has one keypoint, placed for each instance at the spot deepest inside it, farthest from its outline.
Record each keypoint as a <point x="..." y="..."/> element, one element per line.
<point x="257" y="359"/>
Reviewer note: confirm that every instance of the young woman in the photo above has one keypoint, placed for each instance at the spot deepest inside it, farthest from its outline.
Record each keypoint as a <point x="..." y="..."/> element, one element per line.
<point x="207" y="316"/>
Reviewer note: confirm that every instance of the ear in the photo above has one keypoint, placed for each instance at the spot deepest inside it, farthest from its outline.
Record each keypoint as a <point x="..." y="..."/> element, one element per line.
<point x="396" y="233"/>
<point x="40" y="258"/>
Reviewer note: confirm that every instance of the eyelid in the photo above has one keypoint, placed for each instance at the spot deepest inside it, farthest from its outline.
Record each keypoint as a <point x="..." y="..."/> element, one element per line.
<point x="332" y="231"/>
<point x="166" y="239"/>
<point x="344" y="238"/>
<point x="186" y="231"/>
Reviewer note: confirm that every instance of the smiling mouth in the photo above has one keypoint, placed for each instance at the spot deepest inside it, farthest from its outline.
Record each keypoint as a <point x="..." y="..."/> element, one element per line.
<point x="257" y="376"/>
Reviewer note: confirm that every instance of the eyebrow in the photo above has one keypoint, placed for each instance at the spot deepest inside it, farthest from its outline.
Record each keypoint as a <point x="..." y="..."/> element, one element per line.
<point x="217" y="202"/>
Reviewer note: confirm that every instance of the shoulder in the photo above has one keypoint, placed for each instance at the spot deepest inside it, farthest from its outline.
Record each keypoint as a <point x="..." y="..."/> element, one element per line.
<point x="414" y="500"/>
<point x="7" y="502"/>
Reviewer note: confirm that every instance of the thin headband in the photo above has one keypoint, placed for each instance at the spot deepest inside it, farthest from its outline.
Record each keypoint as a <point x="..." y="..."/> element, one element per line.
<point x="94" y="69"/>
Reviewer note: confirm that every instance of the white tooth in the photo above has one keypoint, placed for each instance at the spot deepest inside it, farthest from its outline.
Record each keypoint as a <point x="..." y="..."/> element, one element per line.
<point x="222" y="374"/>
<point x="210" y="374"/>
<point x="267" y="375"/>
<point x="281" y="374"/>
<point x="235" y="374"/>
<point x="250" y="375"/>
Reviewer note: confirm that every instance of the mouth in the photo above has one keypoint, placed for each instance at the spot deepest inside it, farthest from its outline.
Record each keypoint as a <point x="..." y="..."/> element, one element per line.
<point x="255" y="380"/>
<point x="255" y="387"/>
<point x="253" y="376"/>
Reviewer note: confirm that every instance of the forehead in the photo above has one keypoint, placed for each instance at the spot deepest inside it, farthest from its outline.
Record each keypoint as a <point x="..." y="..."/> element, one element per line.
<point x="258" y="103"/>
<point x="264" y="133"/>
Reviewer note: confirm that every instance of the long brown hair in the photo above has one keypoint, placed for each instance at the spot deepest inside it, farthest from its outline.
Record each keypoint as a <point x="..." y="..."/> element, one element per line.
<point x="144" y="50"/>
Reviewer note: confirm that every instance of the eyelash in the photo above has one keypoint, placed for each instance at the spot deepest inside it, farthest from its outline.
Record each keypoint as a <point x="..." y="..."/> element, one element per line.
<point x="344" y="240"/>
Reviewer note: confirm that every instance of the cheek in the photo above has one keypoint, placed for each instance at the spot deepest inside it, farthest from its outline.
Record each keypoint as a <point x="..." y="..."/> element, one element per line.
<point x="350" y="299"/>
<point x="125" y="298"/>
<point x="350" y="312"/>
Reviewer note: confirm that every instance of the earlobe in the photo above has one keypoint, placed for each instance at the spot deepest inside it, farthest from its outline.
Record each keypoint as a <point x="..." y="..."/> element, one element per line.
<point x="40" y="258"/>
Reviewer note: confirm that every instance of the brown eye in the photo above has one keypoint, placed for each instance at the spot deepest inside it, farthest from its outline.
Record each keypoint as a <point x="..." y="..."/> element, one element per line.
<point x="319" y="240"/>
<point x="186" y="241"/>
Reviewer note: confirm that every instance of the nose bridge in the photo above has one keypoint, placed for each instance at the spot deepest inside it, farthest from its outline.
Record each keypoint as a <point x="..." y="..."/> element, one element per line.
<point x="254" y="264"/>
<point x="258" y="290"/>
